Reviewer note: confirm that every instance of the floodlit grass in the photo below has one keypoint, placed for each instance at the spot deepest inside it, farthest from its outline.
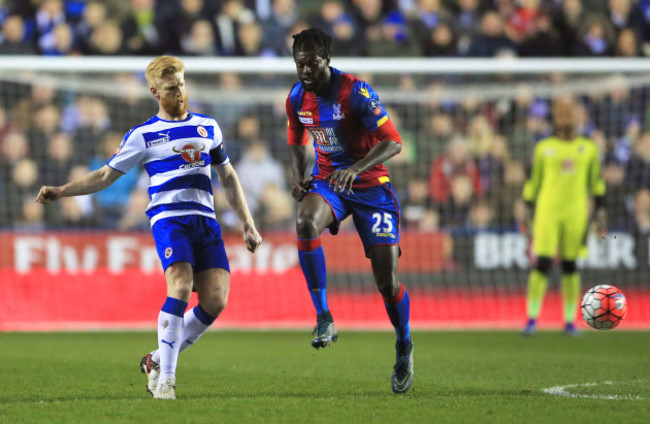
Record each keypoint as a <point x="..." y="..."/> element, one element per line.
<point x="276" y="377"/>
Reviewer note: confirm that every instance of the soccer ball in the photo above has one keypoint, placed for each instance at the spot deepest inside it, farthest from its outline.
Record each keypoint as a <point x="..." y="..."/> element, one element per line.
<point x="603" y="307"/>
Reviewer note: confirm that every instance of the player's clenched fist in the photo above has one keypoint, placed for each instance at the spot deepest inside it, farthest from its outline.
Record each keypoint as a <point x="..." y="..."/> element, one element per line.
<point x="300" y="188"/>
<point x="252" y="239"/>
<point x="48" y="194"/>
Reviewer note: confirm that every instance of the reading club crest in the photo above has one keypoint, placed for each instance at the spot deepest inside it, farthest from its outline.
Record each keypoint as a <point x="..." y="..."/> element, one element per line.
<point x="202" y="131"/>
<point x="190" y="152"/>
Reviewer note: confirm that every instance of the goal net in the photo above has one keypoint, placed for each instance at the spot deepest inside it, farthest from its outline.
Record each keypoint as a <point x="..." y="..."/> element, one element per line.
<point x="468" y="129"/>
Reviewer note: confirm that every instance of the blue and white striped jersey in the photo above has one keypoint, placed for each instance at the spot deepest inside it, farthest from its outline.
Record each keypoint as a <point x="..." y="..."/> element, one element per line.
<point x="177" y="156"/>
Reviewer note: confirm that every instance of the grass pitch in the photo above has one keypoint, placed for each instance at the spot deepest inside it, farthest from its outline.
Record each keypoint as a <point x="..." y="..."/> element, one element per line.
<point x="276" y="377"/>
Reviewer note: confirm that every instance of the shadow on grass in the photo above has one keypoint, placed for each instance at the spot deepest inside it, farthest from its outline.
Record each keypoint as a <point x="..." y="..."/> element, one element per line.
<point x="429" y="392"/>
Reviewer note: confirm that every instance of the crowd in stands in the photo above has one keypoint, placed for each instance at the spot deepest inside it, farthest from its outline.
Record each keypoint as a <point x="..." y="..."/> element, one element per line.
<point x="462" y="165"/>
<point x="384" y="28"/>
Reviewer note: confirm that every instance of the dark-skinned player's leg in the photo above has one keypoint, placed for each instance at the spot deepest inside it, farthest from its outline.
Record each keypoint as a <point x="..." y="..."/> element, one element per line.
<point x="397" y="302"/>
<point x="314" y="215"/>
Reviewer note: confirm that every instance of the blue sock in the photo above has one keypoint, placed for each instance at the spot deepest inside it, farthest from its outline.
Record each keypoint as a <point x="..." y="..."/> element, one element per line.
<point x="398" y="309"/>
<point x="312" y="262"/>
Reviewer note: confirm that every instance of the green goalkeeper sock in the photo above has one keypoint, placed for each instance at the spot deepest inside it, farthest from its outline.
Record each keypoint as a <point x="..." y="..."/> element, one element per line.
<point x="537" y="283"/>
<point x="570" y="295"/>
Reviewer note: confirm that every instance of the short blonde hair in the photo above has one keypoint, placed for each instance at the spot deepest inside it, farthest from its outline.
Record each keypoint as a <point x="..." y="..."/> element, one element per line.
<point x="162" y="66"/>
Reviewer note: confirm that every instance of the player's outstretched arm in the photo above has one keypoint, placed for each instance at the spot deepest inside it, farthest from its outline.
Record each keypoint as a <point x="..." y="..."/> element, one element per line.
<point x="91" y="183"/>
<point x="343" y="179"/>
<point x="237" y="201"/>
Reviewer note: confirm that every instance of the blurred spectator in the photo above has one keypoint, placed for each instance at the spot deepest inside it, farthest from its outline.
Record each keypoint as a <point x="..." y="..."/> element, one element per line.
<point x="287" y="48"/>
<point x="479" y="135"/>
<point x="200" y="40"/>
<point x="523" y="22"/>
<point x="623" y="14"/>
<point x="395" y="38"/>
<point x="642" y="212"/>
<point x="491" y="41"/>
<point x="20" y="188"/>
<point x="617" y="193"/>
<point x="467" y="18"/>
<point x="49" y="15"/>
<point x="638" y="167"/>
<point x="368" y="15"/>
<point x="623" y="148"/>
<point x="134" y="217"/>
<point x="441" y="42"/>
<point x="481" y="216"/>
<point x="627" y="44"/>
<point x="56" y="165"/>
<point x="13" y="37"/>
<point x="456" y="161"/>
<point x="233" y="14"/>
<point x="41" y="94"/>
<point x="339" y="24"/>
<point x="567" y="20"/>
<point x="284" y="14"/>
<point x="46" y="123"/>
<point x="415" y="203"/>
<point x="542" y="40"/>
<point x="595" y="37"/>
<point x="93" y="123"/>
<point x="508" y="194"/>
<point x="612" y="113"/>
<point x="112" y="201"/>
<point x="258" y="172"/>
<point x="491" y="165"/>
<point x="94" y="15"/>
<point x="250" y="41"/>
<point x="140" y="28"/>
<point x="454" y="213"/>
<point x="426" y="16"/>
<point x="107" y="39"/>
<point x="438" y="130"/>
<point x="73" y="212"/>
<point x="58" y="42"/>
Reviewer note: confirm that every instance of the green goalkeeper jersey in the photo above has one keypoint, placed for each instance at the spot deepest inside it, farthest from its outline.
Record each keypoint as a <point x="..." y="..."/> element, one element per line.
<point x="564" y="174"/>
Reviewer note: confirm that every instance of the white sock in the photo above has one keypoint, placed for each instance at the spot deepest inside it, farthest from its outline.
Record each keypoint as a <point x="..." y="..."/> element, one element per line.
<point x="170" y="332"/>
<point x="193" y="329"/>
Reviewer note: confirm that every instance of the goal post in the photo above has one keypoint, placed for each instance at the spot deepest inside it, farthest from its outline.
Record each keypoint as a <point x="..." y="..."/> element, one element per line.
<point x="468" y="128"/>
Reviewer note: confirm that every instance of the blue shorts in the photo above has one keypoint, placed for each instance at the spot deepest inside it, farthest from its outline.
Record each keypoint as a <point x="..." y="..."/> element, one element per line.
<point x="375" y="211"/>
<point x="190" y="238"/>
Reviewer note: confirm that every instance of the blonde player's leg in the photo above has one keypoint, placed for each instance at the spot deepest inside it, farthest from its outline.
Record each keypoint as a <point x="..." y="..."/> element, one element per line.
<point x="545" y="242"/>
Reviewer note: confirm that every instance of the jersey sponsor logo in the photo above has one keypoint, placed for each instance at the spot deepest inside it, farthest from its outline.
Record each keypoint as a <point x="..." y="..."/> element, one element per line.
<point x="164" y="138"/>
<point x="202" y="131"/>
<point x="306" y="120"/>
<point x="337" y="115"/>
<point x="364" y="92"/>
<point x="549" y="152"/>
<point x="567" y="165"/>
<point x="375" y="107"/>
<point x="191" y="153"/>
<point x="326" y="140"/>
<point x="304" y="113"/>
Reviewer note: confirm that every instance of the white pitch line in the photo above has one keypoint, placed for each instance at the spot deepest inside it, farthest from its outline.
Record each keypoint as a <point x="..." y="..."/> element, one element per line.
<point x="562" y="391"/>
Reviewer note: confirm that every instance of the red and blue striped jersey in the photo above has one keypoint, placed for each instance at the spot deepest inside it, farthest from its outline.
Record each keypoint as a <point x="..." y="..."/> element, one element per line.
<point x="345" y="124"/>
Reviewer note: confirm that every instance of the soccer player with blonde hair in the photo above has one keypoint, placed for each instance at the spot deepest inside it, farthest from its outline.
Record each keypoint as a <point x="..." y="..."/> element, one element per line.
<point x="176" y="148"/>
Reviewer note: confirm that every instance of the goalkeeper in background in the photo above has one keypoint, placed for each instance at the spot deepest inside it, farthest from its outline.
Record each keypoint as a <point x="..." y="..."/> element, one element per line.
<point x="565" y="171"/>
